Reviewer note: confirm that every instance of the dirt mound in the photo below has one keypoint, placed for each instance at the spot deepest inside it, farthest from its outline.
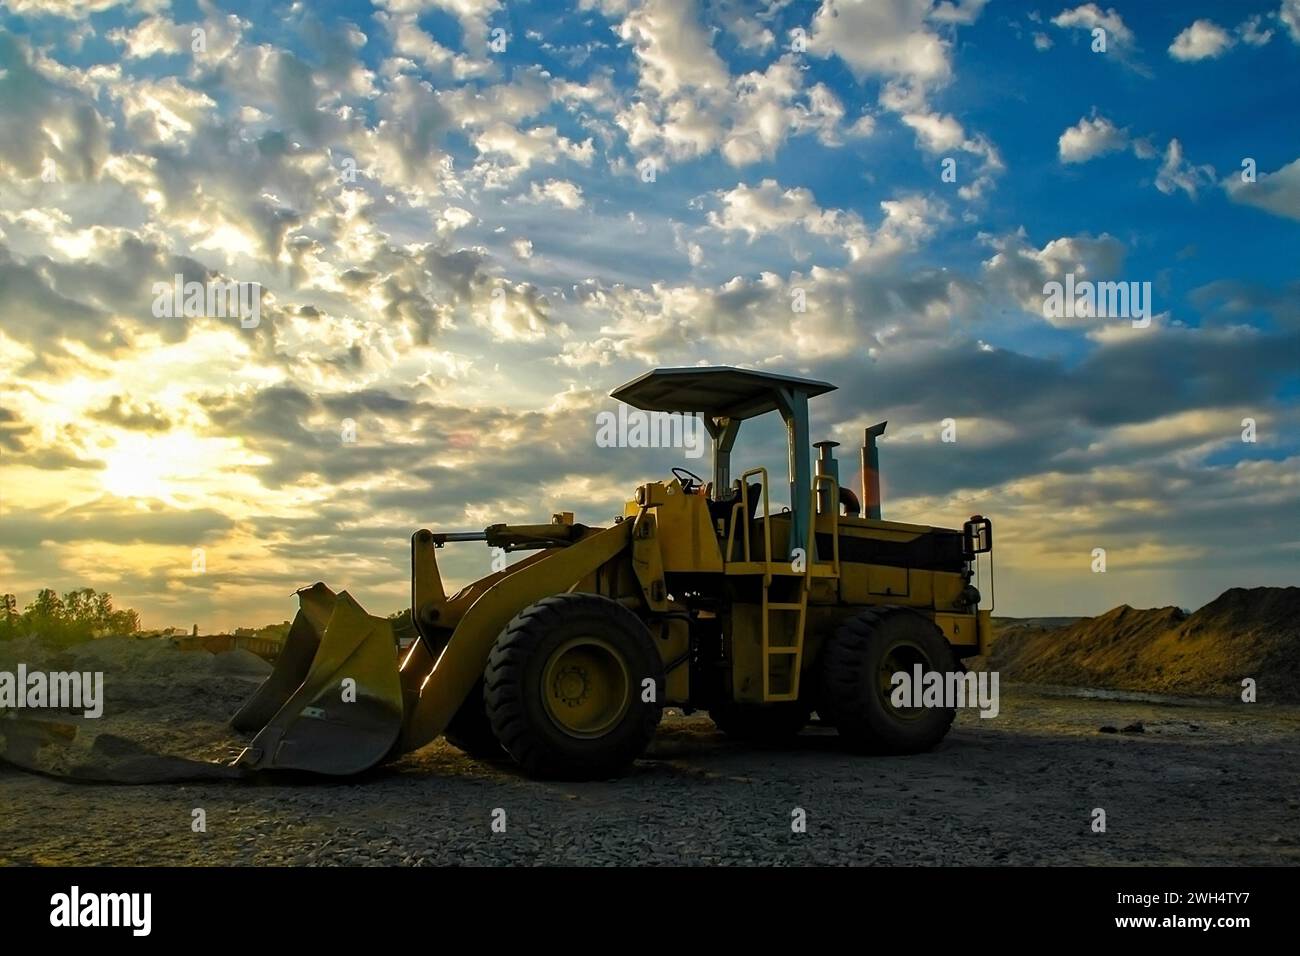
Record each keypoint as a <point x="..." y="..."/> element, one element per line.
<point x="1245" y="632"/>
<point x="160" y="699"/>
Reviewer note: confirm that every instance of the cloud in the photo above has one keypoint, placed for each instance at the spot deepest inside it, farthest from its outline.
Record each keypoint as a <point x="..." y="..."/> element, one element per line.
<point x="1089" y="138"/>
<point x="1019" y="270"/>
<point x="1289" y="14"/>
<point x="1176" y="173"/>
<point x="767" y="209"/>
<point x="1277" y="192"/>
<point x="964" y="12"/>
<point x="891" y="40"/>
<point x="935" y="133"/>
<point x="386" y="181"/>
<point x="673" y="50"/>
<point x="99" y="522"/>
<point x="558" y="192"/>
<point x="1204" y="39"/>
<point x="1252" y="31"/>
<point x="747" y="119"/>
<point x="144" y="417"/>
<point x="748" y="30"/>
<point x="508" y="152"/>
<point x="152" y="36"/>
<point x="80" y="9"/>
<point x="47" y="126"/>
<point x="1089" y="17"/>
<point x="409" y="40"/>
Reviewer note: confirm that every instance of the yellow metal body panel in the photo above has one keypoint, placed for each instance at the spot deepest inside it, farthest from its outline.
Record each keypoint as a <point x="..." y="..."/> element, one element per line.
<point x="747" y="661"/>
<point x="960" y="629"/>
<point x="884" y="581"/>
<point x="687" y="539"/>
<point x="984" y="620"/>
<point x="865" y="584"/>
<point x="647" y="559"/>
<point x="459" y="666"/>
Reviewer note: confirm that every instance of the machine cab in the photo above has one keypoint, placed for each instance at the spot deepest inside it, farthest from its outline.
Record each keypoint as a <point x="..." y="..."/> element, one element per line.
<point x="724" y="398"/>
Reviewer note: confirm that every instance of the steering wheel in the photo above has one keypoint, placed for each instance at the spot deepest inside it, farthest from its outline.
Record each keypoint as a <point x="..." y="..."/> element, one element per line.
<point x="690" y="481"/>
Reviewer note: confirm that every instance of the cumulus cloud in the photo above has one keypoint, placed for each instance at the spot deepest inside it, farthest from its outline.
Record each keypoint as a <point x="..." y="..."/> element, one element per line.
<point x="1090" y="16"/>
<point x="1019" y="270"/>
<point x="152" y="36"/>
<point x="559" y="192"/>
<point x="767" y="209"/>
<point x="48" y="127"/>
<point x="893" y="40"/>
<point x="673" y="49"/>
<point x="1277" y="192"/>
<point x="1204" y="39"/>
<point x="1090" y="137"/>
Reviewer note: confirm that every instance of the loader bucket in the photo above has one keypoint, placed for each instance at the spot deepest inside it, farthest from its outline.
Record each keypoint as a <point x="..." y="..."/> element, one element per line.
<point x="333" y="704"/>
<point x="316" y="604"/>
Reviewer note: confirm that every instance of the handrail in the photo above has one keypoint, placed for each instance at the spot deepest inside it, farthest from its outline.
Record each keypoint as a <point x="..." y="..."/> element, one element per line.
<point x="767" y="530"/>
<point x="737" y="516"/>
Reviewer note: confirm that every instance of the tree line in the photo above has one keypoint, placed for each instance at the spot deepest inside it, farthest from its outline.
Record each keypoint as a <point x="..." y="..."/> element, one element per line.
<point x="79" y="615"/>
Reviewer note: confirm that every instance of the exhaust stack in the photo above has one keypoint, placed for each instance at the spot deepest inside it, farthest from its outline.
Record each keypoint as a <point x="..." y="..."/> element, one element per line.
<point x="871" y="472"/>
<point x="826" y="465"/>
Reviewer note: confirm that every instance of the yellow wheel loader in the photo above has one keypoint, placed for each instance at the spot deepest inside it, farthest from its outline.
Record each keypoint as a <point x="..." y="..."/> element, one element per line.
<point x="699" y="596"/>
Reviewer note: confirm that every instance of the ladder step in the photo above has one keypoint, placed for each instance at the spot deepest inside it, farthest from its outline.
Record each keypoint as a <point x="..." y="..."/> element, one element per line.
<point x="774" y="651"/>
<point x="783" y="606"/>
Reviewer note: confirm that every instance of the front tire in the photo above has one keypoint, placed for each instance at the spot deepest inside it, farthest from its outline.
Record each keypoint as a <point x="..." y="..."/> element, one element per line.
<point x="565" y="687"/>
<point x="857" y="665"/>
<point x="471" y="731"/>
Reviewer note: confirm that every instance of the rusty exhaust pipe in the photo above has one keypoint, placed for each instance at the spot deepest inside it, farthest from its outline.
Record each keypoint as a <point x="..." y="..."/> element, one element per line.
<point x="871" y="472"/>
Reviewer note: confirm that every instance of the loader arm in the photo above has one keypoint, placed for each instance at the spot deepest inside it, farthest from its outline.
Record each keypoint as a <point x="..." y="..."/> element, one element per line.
<point x="340" y="702"/>
<point x="460" y="664"/>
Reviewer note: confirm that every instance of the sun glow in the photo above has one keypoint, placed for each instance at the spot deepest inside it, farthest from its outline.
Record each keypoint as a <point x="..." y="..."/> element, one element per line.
<point x="140" y="466"/>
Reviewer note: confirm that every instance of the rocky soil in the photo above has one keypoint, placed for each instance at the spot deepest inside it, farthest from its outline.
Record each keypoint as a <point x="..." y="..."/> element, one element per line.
<point x="1208" y="782"/>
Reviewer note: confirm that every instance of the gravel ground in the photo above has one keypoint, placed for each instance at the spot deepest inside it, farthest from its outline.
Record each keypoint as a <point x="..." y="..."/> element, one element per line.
<point x="1202" y="784"/>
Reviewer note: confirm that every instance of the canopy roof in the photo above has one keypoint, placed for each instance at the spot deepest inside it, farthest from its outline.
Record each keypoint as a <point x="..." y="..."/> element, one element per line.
<point x="716" y="391"/>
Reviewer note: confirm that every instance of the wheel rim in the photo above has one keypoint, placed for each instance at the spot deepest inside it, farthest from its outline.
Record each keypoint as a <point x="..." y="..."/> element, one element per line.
<point x="586" y="687"/>
<point x="901" y="656"/>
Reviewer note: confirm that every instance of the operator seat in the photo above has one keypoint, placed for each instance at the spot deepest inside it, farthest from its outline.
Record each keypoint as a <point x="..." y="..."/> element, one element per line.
<point x="720" y="509"/>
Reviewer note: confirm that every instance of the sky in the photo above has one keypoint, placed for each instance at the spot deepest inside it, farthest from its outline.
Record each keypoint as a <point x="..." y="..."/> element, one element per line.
<point x="469" y="220"/>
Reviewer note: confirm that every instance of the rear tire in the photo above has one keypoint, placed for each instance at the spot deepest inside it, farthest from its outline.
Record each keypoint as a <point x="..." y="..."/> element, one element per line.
<point x="564" y="687"/>
<point x="761" y="722"/>
<point x="856" y="665"/>
<point x="470" y="730"/>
